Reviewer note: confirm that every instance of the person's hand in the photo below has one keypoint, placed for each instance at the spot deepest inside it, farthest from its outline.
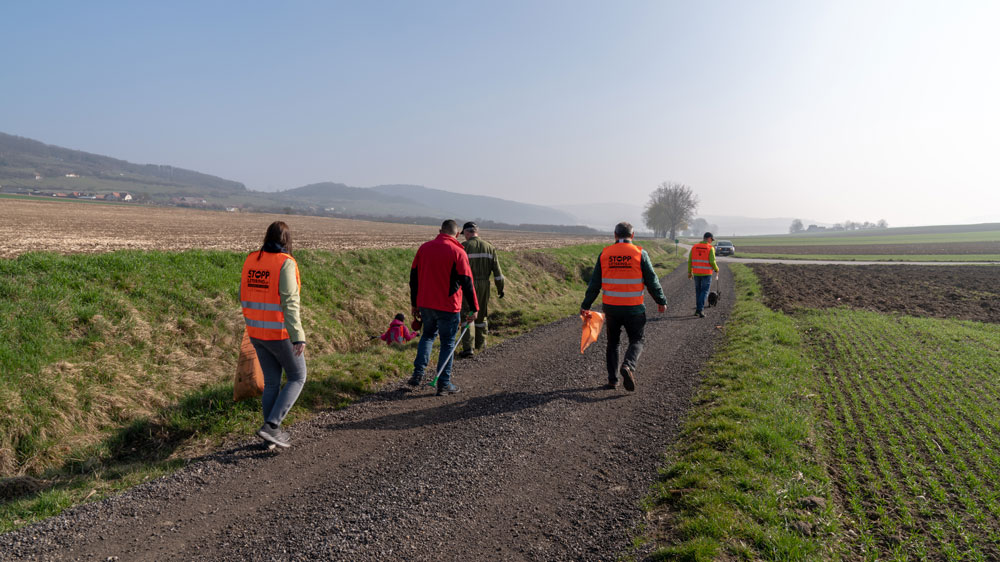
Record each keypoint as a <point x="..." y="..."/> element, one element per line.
<point x="300" y="347"/>
<point x="470" y="318"/>
<point x="415" y="312"/>
<point x="499" y="294"/>
<point x="584" y="312"/>
<point x="661" y="308"/>
<point x="689" y="275"/>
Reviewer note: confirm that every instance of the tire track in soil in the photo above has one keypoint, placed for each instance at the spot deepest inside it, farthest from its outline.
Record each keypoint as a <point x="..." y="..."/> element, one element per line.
<point x="531" y="461"/>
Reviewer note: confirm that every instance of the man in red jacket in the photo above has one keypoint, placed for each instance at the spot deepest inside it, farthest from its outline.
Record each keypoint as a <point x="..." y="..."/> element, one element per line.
<point x="440" y="278"/>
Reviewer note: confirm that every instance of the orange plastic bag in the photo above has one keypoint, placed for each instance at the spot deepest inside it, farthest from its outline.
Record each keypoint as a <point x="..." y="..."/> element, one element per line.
<point x="592" y="324"/>
<point x="249" y="381"/>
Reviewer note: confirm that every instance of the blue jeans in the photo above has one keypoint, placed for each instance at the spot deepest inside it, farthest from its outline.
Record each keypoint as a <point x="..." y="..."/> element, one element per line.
<point x="702" y="284"/>
<point x="437" y="322"/>
<point x="275" y="356"/>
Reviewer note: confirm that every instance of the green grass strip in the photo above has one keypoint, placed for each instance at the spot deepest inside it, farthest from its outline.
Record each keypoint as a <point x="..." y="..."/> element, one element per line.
<point x="748" y="453"/>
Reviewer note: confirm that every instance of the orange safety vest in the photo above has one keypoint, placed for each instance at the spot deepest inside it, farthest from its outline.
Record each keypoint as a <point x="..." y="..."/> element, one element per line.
<point x="259" y="295"/>
<point x="700" y="264"/>
<point x="621" y="274"/>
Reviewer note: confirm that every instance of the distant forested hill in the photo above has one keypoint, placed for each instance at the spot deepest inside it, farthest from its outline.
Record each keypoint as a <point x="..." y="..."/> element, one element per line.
<point x="450" y="204"/>
<point x="29" y="164"/>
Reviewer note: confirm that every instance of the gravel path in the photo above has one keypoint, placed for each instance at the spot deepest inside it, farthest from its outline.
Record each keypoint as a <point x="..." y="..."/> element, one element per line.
<point x="531" y="461"/>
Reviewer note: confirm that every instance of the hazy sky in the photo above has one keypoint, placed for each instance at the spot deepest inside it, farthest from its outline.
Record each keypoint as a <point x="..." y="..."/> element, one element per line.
<point x="822" y="110"/>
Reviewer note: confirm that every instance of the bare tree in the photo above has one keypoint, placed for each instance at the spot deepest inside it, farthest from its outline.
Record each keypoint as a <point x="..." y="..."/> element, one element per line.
<point x="796" y="226"/>
<point x="670" y="208"/>
<point x="882" y="223"/>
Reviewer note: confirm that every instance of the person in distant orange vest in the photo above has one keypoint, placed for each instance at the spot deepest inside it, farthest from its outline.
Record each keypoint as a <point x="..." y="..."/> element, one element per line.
<point x="269" y="293"/>
<point x="701" y="266"/>
<point x="622" y="271"/>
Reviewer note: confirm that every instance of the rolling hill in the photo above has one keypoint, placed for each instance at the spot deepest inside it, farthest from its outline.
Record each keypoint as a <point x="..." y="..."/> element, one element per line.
<point x="32" y="167"/>
<point x="27" y="164"/>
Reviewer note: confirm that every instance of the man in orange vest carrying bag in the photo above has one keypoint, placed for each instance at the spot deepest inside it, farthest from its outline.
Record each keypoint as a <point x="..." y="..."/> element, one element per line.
<point x="701" y="266"/>
<point x="622" y="271"/>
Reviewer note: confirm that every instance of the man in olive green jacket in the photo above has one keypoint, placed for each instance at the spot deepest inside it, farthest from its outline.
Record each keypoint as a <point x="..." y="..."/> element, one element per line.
<point x="485" y="265"/>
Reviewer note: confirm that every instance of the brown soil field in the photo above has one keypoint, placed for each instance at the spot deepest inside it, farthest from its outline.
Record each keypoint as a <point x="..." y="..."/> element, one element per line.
<point x="968" y="292"/>
<point x="73" y="227"/>
<point x="947" y="248"/>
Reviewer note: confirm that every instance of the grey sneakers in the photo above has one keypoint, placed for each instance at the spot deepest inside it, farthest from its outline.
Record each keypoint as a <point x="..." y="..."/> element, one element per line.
<point x="275" y="435"/>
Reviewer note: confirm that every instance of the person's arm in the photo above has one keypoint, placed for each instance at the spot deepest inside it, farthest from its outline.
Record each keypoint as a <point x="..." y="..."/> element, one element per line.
<point x="497" y="275"/>
<point x="593" y="288"/>
<point x="690" y="254"/>
<point x="652" y="281"/>
<point x="711" y="258"/>
<point x="409" y="334"/>
<point x="463" y="271"/>
<point x="414" y="279"/>
<point x="288" y="289"/>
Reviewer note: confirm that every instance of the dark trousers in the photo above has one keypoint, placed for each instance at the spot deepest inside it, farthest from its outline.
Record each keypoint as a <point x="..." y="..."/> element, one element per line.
<point x="635" y="325"/>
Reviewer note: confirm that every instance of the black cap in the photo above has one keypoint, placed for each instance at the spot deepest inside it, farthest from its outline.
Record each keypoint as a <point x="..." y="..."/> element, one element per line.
<point x="707" y="236"/>
<point x="469" y="225"/>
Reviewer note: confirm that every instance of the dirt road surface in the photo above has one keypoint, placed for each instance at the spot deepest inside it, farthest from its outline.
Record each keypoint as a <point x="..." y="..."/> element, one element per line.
<point x="533" y="460"/>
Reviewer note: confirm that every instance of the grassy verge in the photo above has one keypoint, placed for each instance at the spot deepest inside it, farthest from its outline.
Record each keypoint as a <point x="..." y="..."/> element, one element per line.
<point x="115" y="368"/>
<point x="879" y="257"/>
<point x="744" y="481"/>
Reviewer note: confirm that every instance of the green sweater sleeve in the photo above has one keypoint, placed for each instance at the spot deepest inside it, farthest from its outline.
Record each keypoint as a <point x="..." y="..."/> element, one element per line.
<point x="594" y="288"/>
<point x="711" y="259"/>
<point x="288" y="288"/>
<point x="651" y="280"/>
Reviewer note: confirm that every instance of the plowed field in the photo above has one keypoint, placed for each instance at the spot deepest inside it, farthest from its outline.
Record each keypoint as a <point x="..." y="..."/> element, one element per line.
<point x="968" y="292"/>
<point x="73" y="227"/>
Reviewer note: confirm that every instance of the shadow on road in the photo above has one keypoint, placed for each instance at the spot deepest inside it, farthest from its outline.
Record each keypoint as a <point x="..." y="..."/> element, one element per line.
<point x="476" y="407"/>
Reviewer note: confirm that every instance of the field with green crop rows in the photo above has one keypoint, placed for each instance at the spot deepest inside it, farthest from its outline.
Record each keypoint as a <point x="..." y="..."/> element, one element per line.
<point x="973" y="243"/>
<point x="839" y="434"/>
<point x="912" y="423"/>
<point x="989" y="232"/>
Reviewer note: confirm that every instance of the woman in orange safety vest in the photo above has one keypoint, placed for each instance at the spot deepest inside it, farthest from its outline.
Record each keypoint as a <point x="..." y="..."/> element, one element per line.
<point x="269" y="293"/>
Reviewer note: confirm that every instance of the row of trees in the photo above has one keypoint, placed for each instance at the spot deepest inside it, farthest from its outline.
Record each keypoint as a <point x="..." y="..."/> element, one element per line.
<point x="797" y="226"/>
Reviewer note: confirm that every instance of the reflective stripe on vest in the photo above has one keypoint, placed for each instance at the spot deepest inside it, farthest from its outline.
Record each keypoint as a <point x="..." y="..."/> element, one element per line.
<point x="621" y="275"/>
<point x="700" y="264"/>
<point x="260" y="297"/>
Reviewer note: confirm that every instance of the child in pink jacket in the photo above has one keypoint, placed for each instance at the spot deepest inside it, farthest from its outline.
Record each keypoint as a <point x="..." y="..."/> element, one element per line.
<point x="398" y="332"/>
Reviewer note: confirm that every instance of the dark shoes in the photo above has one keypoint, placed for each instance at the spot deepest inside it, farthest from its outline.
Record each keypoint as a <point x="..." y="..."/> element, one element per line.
<point x="448" y="389"/>
<point x="415" y="380"/>
<point x="274" y="435"/>
<point x="699" y="314"/>
<point x="628" y="378"/>
<point x="465" y="354"/>
<point x="610" y="385"/>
